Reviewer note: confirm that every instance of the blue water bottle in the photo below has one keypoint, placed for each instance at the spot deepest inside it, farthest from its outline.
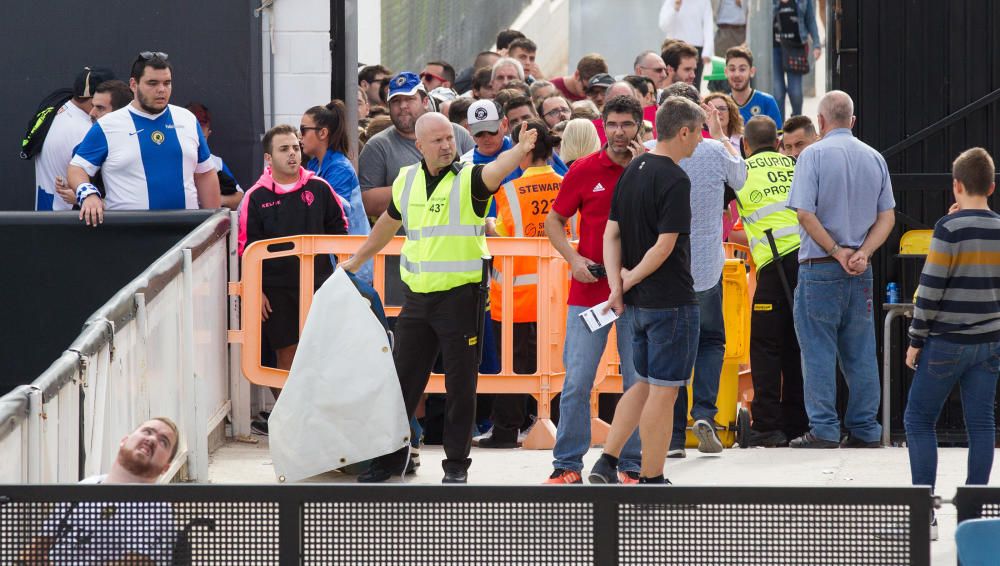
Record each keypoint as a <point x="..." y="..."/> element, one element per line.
<point x="892" y="293"/>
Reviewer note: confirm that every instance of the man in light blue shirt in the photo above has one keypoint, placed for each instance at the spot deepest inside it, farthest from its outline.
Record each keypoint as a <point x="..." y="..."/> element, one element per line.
<point x="843" y="196"/>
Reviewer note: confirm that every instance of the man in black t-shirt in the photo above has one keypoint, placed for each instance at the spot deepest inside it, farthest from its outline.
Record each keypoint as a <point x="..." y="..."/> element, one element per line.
<point x="647" y="257"/>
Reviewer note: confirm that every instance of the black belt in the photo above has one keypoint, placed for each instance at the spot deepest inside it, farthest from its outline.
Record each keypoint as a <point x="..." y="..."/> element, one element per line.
<point x="731" y="26"/>
<point x="827" y="259"/>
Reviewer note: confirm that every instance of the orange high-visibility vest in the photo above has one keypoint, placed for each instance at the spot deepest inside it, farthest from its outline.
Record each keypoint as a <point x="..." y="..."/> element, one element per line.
<point x="522" y="205"/>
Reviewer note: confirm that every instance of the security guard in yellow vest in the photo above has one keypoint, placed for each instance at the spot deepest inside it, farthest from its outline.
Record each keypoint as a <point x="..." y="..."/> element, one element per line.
<point x="778" y="408"/>
<point x="441" y="205"/>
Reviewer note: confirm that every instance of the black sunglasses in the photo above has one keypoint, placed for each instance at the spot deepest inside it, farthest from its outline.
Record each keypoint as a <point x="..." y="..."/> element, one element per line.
<point x="147" y="55"/>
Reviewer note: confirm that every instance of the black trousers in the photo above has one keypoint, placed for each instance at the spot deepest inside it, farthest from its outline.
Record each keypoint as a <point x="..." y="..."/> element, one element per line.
<point x="442" y="322"/>
<point x="509" y="410"/>
<point x="775" y="357"/>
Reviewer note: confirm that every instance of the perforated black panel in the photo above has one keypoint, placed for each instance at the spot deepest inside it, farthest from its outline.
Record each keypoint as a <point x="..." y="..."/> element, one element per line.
<point x="449" y="533"/>
<point x="763" y="534"/>
<point x="99" y="532"/>
<point x="417" y="525"/>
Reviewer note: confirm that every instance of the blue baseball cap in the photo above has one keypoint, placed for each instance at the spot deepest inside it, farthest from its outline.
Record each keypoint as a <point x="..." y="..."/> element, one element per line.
<point x="405" y="83"/>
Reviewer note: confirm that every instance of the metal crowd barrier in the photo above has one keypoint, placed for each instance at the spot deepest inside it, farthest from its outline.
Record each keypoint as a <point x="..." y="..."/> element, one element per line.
<point x="482" y="525"/>
<point x="977" y="502"/>
<point x="156" y="348"/>
<point x="544" y="384"/>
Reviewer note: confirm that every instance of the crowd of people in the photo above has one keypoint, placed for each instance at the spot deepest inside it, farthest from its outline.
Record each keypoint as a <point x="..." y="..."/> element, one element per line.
<point x="647" y="173"/>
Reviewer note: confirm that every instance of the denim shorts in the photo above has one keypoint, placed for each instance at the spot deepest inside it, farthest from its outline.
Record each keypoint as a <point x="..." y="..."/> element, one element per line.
<point x="665" y="344"/>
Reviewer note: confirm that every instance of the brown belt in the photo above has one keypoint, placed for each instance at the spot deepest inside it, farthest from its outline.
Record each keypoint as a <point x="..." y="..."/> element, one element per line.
<point x="814" y="261"/>
<point x="732" y="26"/>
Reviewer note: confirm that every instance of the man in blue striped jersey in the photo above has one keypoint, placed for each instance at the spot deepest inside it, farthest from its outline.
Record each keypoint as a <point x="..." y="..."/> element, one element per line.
<point x="153" y="155"/>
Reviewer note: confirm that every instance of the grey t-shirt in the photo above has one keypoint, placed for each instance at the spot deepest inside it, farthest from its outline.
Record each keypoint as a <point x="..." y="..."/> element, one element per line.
<point x="388" y="152"/>
<point x="845" y="183"/>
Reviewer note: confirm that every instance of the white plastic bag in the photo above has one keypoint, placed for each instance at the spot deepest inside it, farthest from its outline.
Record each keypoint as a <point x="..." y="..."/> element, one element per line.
<point x="342" y="403"/>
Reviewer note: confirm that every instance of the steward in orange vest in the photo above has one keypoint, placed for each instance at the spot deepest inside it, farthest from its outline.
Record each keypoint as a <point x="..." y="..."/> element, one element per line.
<point x="522" y="205"/>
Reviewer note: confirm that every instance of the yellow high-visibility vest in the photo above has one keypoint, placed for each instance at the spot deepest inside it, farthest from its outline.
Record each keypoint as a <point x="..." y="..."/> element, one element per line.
<point x="445" y="238"/>
<point x="762" y="203"/>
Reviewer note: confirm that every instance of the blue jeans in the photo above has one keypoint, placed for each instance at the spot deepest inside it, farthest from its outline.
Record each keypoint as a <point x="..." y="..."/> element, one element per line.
<point x="942" y="364"/>
<point x="834" y="323"/>
<point x="664" y="344"/>
<point x="581" y="354"/>
<point x="711" y="347"/>
<point x="793" y="88"/>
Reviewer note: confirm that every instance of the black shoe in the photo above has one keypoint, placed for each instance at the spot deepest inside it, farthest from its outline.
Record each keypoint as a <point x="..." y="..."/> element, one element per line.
<point x="810" y="440"/>
<point x="768" y="439"/>
<point x="376" y="473"/>
<point x="455" y="476"/>
<point x="499" y="440"/>
<point x="259" y="427"/>
<point x="603" y="472"/>
<point x="851" y="441"/>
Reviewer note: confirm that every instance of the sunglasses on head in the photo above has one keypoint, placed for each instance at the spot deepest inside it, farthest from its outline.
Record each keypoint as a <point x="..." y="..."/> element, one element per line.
<point x="147" y="55"/>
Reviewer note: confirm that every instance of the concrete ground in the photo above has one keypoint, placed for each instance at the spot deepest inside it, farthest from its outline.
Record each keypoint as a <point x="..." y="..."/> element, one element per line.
<point x="238" y="462"/>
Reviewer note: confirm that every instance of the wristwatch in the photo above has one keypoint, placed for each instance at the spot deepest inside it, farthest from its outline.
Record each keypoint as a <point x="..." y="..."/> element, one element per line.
<point x="834" y="249"/>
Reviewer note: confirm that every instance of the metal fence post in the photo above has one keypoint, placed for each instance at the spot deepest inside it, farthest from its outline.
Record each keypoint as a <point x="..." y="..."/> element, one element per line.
<point x="196" y="425"/>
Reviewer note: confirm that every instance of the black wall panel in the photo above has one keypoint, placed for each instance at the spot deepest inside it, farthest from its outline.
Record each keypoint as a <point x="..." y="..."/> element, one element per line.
<point x="912" y="66"/>
<point x="215" y="48"/>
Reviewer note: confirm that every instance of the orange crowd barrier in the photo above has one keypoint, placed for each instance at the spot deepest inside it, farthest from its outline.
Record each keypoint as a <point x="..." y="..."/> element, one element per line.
<point x="552" y="289"/>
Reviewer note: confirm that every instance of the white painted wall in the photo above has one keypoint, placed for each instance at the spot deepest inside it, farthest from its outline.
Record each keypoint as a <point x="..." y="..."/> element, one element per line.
<point x="297" y="40"/>
<point x="546" y="22"/>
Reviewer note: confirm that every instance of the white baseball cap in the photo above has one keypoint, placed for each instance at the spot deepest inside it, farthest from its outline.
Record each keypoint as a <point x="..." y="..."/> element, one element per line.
<point x="484" y="116"/>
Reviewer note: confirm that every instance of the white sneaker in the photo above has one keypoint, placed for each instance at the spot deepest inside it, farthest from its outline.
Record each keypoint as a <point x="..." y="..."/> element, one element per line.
<point x="677" y="453"/>
<point x="524" y="433"/>
<point x="708" y="441"/>
<point x="477" y="438"/>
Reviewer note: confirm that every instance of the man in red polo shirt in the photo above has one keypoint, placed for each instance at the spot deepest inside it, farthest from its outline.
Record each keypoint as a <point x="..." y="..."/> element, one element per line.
<point x="586" y="191"/>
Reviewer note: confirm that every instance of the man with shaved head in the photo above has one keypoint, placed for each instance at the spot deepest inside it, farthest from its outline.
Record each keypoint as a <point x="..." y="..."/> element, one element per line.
<point x="441" y="203"/>
<point x="843" y="198"/>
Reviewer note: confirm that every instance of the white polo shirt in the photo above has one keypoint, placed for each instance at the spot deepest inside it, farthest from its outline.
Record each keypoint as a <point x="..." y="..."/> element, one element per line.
<point x="68" y="128"/>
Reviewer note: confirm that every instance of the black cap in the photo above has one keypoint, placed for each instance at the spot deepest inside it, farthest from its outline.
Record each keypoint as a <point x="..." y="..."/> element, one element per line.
<point x="86" y="82"/>
<point x="601" y="80"/>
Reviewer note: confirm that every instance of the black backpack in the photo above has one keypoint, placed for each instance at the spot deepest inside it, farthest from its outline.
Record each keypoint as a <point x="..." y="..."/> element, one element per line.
<point x="41" y="121"/>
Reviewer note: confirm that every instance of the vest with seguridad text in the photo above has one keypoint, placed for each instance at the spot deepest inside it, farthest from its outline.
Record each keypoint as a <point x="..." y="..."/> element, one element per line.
<point x="445" y="238"/>
<point x="762" y="203"/>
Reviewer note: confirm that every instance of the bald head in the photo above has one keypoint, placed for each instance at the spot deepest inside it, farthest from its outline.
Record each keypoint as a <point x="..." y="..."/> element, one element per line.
<point x="621" y="88"/>
<point x="435" y="140"/>
<point x="427" y="122"/>
<point x="837" y="109"/>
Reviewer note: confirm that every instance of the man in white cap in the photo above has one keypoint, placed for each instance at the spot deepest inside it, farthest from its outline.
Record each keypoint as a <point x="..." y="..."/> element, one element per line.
<point x="396" y="147"/>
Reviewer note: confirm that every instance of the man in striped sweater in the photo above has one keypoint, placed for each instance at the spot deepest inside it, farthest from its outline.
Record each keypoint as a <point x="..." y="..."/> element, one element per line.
<point x="955" y="335"/>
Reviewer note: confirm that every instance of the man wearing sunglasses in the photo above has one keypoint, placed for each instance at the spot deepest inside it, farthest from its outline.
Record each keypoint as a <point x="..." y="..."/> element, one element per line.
<point x="153" y="155"/>
<point x="437" y="74"/>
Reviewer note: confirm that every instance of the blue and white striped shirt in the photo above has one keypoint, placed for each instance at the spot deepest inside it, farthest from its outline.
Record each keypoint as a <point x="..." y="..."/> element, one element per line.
<point x="148" y="161"/>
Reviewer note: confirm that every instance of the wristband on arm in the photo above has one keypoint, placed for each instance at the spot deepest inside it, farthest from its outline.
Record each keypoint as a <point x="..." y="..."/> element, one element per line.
<point x="85" y="190"/>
